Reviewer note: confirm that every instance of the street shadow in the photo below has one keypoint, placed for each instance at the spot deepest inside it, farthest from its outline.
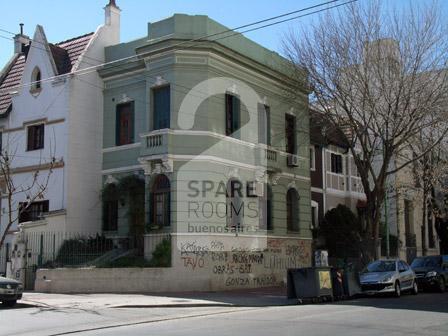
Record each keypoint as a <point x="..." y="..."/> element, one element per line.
<point x="261" y="297"/>
<point x="17" y="306"/>
<point x="426" y="301"/>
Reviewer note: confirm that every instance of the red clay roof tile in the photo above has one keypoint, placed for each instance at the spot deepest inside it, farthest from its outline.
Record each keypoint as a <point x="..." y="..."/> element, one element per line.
<point x="65" y="55"/>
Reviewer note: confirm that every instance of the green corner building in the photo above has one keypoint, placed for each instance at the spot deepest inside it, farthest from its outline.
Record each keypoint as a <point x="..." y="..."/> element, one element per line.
<point x="203" y="144"/>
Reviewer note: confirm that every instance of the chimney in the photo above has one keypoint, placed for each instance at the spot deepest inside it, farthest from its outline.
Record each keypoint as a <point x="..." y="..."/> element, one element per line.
<point x="20" y="40"/>
<point x="112" y="19"/>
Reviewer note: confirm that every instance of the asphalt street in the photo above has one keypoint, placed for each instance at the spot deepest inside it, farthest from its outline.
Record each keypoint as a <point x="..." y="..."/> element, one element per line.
<point x="424" y="314"/>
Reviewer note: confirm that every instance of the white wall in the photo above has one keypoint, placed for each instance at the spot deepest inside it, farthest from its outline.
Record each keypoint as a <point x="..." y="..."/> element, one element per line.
<point x="85" y="134"/>
<point x="48" y="105"/>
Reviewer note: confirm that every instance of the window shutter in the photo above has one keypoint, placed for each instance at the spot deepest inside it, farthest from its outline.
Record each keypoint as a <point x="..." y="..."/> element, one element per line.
<point x="30" y="145"/>
<point x="229" y="113"/>
<point x="41" y="132"/>
<point x="268" y="124"/>
<point x="161" y="107"/>
<point x="132" y="122"/>
<point x="117" y="125"/>
<point x="236" y="122"/>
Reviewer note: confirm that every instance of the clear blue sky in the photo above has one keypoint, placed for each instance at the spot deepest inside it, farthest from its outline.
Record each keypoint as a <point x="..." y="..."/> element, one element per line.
<point x="63" y="19"/>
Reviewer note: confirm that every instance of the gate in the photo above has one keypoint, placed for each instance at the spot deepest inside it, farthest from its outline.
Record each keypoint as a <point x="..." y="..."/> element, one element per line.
<point x="30" y="277"/>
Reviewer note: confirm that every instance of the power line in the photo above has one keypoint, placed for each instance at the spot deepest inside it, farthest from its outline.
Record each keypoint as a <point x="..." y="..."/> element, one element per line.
<point x="199" y="39"/>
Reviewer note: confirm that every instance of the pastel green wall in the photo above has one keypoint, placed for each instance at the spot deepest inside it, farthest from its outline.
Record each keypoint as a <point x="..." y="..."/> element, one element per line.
<point x="237" y="57"/>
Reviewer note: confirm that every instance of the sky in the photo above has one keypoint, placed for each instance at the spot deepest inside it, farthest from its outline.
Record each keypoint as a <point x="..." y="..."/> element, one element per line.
<point x="64" y="19"/>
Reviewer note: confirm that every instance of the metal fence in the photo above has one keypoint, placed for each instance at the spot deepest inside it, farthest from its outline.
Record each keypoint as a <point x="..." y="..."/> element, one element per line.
<point x="65" y="249"/>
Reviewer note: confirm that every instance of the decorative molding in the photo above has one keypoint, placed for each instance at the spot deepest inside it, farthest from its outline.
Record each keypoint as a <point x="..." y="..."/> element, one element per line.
<point x="125" y="99"/>
<point x="34" y="122"/>
<point x="155" y="166"/>
<point x="121" y="169"/>
<point x="260" y="175"/>
<point x="110" y="180"/>
<point x="233" y="173"/>
<point x="121" y="148"/>
<point x="264" y="101"/>
<point x="292" y="184"/>
<point x="291" y="111"/>
<point x="33" y="168"/>
<point x="233" y="89"/>
<point x="275" y="178"/>
<point x="160" y="81"/>
<point x="167" y="165"/>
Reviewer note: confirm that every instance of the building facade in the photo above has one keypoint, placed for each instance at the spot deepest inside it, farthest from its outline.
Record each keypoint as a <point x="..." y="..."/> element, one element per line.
<point x="205" y="130"/>
<point x="334" y="177"/>
<point x="51" y="123"/>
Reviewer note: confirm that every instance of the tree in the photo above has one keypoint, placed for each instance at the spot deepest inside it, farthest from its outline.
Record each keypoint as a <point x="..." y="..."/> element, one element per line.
<point x="29" y="191"/>
<point x="342" y="232"/>
<point x="381" y="79"/>
<point x="431" y="173"/>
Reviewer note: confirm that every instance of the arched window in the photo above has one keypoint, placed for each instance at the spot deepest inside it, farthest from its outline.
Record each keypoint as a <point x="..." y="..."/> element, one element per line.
<point x="292" y="210"/>
<point x="235" y="204"/>
<point x="36" y="78"/>
<point x="266" y="209"/>
<point x="161" y="199"/>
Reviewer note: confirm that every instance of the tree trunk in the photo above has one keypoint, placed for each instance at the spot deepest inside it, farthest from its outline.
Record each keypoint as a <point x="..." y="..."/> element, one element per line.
<point x="371" y="236"/>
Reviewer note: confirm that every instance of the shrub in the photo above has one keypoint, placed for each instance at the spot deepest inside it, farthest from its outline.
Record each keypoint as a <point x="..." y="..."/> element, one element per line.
<point x="77" y="251"/>
<point x="161" y="257"/>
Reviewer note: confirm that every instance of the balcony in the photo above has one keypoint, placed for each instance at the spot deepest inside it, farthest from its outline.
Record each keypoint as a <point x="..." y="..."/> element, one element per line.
<point x="154" y="143"/>
<point x="271" y="155"/>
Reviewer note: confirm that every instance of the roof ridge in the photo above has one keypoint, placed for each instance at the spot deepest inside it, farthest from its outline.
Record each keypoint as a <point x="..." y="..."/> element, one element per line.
<point x="74" y="38"/>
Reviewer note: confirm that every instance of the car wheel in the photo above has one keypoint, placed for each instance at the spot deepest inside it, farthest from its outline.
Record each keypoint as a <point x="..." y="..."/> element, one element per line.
<point x="415" y="288"/>
<point x="397" y="292"/>
<point x="441" y="285"/>
<point x="9" y="303"/>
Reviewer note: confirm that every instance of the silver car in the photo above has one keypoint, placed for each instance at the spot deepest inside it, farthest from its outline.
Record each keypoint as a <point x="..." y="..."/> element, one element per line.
<point x="388" y="276"/>
<point x="10" y="291"/>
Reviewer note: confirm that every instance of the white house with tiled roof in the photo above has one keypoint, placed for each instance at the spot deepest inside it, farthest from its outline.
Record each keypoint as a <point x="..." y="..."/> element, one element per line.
<point x="51" y="116"/>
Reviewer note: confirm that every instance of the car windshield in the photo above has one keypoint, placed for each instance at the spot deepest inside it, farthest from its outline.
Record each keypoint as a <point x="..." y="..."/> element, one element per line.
<point x="426" y="262"/>
<point x="381" y="266"/>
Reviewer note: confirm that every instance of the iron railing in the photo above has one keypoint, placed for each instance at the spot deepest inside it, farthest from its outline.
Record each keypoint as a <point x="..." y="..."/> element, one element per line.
<point x="66" y="249"/>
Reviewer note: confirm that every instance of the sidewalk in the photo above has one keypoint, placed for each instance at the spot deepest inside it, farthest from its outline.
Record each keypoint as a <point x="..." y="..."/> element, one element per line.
<point x="239" y="298"/>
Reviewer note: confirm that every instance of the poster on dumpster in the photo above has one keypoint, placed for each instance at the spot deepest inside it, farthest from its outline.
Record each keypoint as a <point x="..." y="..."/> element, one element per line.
<point x="324" y="280"/>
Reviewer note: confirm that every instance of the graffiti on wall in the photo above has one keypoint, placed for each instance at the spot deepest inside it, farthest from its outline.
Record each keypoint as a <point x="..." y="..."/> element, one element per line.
<point x="236" y="267"/>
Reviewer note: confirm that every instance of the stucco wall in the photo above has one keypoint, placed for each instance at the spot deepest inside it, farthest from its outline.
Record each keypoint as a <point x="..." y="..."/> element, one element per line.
<point x="195" y="268"/>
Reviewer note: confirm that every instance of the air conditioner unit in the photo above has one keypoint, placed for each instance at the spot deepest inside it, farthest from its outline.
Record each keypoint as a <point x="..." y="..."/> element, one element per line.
<point x="293" y="160"/>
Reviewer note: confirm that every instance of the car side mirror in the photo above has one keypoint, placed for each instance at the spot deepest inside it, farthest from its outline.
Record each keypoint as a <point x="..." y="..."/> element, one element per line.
<point x="402" y="270"/>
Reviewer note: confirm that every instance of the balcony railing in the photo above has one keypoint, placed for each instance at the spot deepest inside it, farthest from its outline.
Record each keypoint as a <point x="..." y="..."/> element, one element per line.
<point x="155" y="140"/>
<point x="154" y="143"/>
<point x="271" y="155"/>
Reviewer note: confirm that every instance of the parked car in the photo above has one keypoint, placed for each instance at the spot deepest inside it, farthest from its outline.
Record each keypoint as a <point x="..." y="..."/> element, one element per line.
<point x="388" y="276"/>
<point x="431" y="272"/>
<point x="10" y="291"/>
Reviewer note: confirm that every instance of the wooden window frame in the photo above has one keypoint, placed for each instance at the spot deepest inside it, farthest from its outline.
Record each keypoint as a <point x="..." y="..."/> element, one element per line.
<point x="31" y="214"/>
<point x="164" y="195"/>
<point x="337" y="164"/>
<point x="119" y="141"/>
<point x="292" y="210"/>
<point x="290" y="134"/>
<point x="233" y="115"/>
<point x="157" y="124"/>
<point x="35" y="141"/>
